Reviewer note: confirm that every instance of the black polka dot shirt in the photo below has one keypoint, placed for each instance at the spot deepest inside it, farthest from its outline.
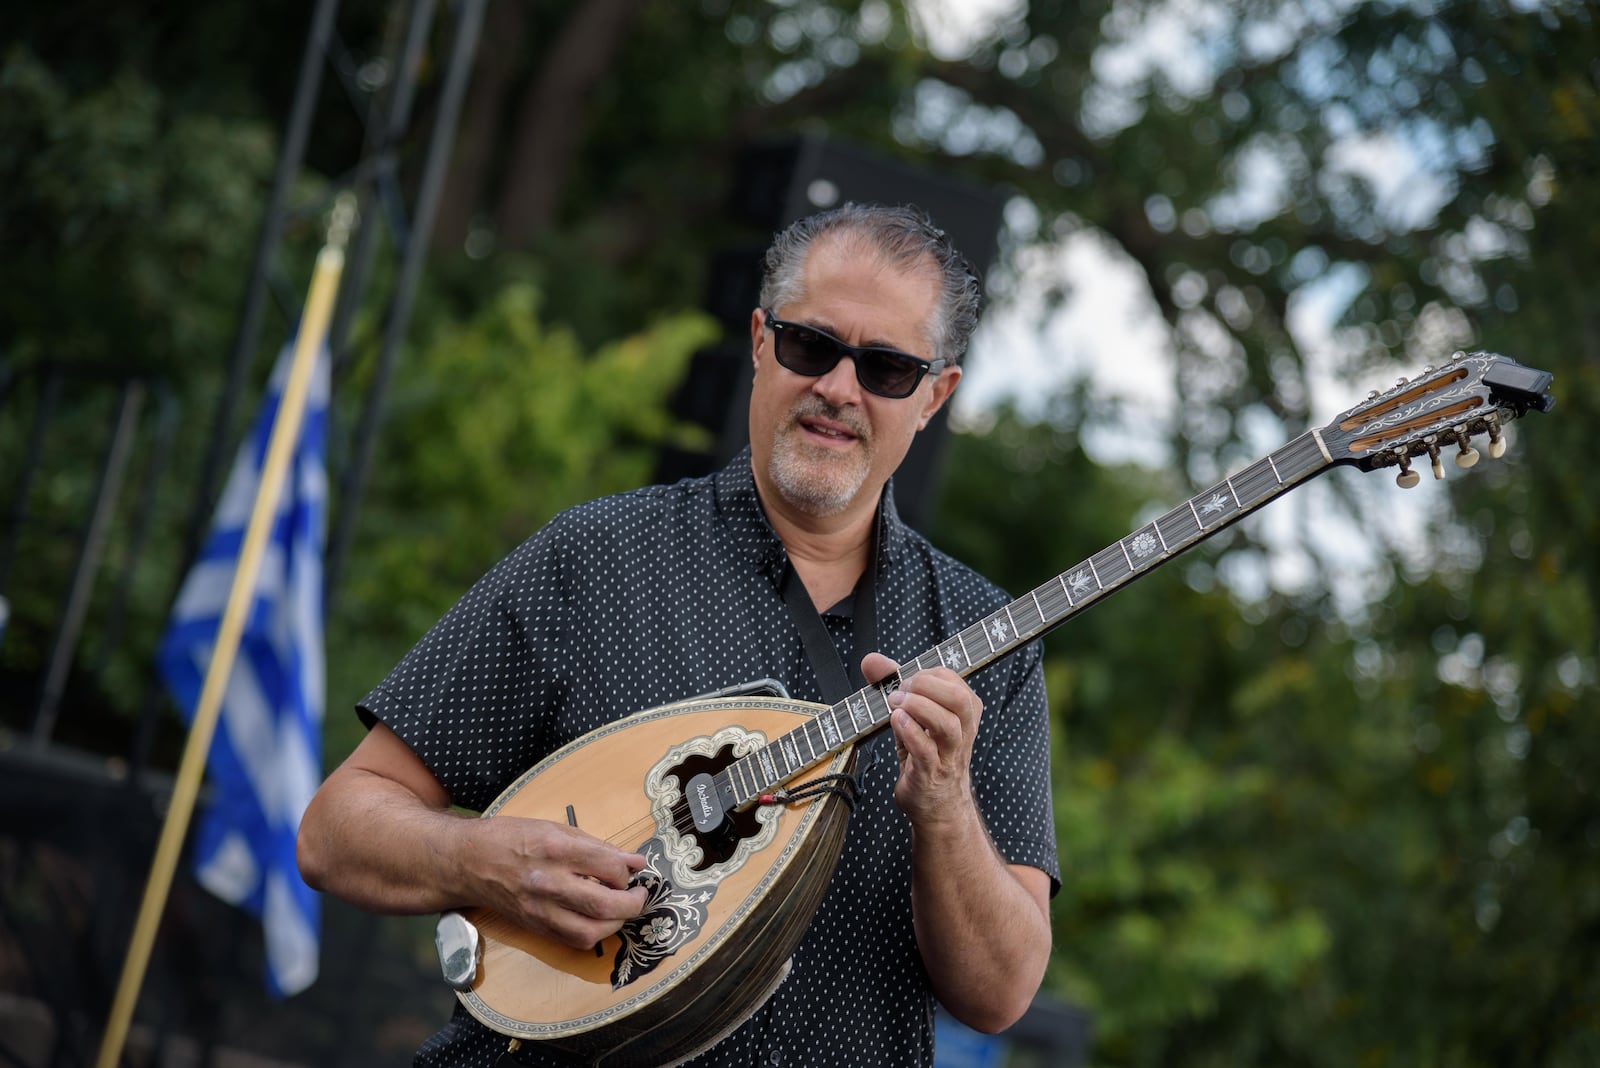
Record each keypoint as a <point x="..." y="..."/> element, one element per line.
<point x="670" y="592"/>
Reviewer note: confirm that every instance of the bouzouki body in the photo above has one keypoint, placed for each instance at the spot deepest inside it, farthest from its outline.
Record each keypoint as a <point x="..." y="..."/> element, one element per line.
<point x="714" y="791"/>
<point x="704" y="954"/>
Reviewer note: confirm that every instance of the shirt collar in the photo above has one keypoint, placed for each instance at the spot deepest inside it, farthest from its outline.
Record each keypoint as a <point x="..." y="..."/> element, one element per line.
<point x="740" y="509"/>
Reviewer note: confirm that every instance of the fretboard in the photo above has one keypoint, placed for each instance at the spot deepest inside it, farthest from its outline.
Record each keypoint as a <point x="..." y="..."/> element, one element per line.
<point x="1030" y="616"/>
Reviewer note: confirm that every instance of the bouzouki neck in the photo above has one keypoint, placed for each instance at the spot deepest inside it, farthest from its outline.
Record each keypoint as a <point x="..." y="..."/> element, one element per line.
<point x="1473" y="394"/>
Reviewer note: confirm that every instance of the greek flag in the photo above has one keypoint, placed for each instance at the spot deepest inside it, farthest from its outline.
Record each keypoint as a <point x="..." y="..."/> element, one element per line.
<point x="266" y="757"/>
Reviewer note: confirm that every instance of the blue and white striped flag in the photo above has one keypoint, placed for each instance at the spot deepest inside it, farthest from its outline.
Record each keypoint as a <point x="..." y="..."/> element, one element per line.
<point x="266" y="757"/>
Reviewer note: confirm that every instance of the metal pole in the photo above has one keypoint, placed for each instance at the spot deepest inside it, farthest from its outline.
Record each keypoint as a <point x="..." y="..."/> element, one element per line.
<point x="245" y="338"/>
<point x="64" y="649"/>
<point x="468" y="25"/>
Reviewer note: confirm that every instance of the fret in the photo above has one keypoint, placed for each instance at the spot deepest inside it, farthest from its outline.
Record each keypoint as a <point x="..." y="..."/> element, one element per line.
<point x="1079" y="583"/>
<point x="1015" y="633"/>
<point x="1111" y="565"/>
<point x="811" y="743"/>
<point x="747" y="777"/>
<point x="997" y="631"/>
<point x="1182" y="525"/>
<point x="1306" y="453"/>
<point x="790" y="752"/>
<point x="1235" y="493"/>
<point x="953" y="656"/>
<point x="970" y="637"/>
<point x="1028" y="625"/>
<point x="1215" y="507"/>
<point x="1254" y="478"/>
<point x="1050" y="609"/>
<point x="982" y="628"/>
<point x="883" y="699"/>
<point x="966" y="654"/>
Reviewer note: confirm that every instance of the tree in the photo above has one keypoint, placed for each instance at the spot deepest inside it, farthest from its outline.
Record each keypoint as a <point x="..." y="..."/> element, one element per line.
<point x="1328" y="821"/>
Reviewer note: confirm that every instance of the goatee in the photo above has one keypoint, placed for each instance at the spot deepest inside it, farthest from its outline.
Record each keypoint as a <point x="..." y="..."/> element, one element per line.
<point x="817" y="480"/>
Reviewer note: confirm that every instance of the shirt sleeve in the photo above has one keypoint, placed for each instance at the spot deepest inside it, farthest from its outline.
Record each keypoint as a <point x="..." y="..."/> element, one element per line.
<point x="1011" y="769"/>
<point x="469" y="697"/>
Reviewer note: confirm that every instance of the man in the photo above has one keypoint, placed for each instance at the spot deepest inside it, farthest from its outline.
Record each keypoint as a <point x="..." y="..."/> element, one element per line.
<point x="634" y="601"/>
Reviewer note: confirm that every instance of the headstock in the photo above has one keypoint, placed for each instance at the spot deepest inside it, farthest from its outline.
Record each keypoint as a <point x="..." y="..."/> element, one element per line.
<point x="1446" y="407"/>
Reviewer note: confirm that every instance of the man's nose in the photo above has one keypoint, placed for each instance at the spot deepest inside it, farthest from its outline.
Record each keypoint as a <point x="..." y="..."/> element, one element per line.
<point x="840" y="385"/>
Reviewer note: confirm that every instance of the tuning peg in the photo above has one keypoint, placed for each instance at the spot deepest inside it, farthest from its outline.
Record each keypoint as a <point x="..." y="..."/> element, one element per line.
<point x="1497" y="444"/>
<point x="1432" y="444"/>
<point x="1407" y="478"/>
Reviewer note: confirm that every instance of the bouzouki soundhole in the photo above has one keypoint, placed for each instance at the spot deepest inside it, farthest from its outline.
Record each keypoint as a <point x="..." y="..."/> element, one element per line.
<point x="718" y="846"/>
<point x="689" y="858"/>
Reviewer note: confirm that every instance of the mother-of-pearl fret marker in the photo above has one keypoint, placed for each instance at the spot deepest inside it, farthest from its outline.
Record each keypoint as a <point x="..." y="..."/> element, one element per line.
<point x="830" y="728"/>
<point x="1145" y="544"/>
<point x="1080" y="583"/>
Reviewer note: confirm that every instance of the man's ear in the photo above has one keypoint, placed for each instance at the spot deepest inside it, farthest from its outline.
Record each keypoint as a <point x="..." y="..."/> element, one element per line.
<point x="943" y="386"/>
<point x="758" y="327"/>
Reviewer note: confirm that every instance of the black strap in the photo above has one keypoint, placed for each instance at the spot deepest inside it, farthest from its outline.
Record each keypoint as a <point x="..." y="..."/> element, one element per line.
<point x="837" y="679"/>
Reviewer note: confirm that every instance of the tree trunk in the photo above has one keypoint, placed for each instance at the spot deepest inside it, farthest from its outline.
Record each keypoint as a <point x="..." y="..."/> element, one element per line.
<point x="552" y="114"/>
<point x="500" y="52"/>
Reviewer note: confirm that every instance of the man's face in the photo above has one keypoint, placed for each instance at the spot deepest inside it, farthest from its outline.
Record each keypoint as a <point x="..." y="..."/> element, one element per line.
<point x="825" y="444"/>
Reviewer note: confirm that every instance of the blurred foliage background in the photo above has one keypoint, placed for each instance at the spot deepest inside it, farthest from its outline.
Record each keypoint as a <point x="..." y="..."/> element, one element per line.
<point x="1325" y="789"/>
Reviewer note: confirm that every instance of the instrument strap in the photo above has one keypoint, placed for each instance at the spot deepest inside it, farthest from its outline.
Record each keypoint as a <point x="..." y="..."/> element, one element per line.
<point x="836" y="678"/>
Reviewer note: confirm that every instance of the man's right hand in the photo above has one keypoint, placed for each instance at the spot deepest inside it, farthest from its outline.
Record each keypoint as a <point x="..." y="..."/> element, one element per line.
<point x="554" y="879"/>
<point x="380" y="833"/>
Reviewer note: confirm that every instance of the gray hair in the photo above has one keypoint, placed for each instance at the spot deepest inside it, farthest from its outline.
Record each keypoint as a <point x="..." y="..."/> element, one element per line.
<point x="902" y="235"/>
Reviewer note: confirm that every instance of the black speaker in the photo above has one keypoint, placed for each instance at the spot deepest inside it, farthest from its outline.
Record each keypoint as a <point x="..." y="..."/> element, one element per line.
<point x="778" y="183"/>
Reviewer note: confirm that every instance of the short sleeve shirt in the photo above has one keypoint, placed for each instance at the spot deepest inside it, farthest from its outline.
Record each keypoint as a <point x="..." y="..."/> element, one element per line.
<point x="637" y="600"/>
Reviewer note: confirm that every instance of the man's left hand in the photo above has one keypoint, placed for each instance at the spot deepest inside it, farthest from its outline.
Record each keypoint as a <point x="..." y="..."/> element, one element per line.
<point x="935" y="721"/>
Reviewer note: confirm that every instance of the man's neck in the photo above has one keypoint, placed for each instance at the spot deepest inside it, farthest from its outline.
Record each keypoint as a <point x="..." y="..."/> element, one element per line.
<point x="829" y="553"/>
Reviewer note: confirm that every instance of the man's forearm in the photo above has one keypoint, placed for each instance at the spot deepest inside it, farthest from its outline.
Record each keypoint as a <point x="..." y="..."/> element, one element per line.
<point x="378" y="846"/>
<point x="982" y="925"/>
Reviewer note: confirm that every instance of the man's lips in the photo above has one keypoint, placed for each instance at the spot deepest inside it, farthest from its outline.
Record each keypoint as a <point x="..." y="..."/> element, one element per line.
<point x="826" y="428"/>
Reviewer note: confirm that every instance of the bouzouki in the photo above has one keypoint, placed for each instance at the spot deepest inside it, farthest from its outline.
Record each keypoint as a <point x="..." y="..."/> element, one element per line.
<point x="739" y="804"/>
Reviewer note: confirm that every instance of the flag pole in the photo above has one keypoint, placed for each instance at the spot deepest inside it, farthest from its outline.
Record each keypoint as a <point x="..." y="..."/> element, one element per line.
<point x="280" y="448"/>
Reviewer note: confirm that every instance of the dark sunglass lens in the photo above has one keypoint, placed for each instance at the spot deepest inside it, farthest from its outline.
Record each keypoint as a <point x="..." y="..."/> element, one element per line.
<point x="807" y="352"/>
<point x="889" y="374"/>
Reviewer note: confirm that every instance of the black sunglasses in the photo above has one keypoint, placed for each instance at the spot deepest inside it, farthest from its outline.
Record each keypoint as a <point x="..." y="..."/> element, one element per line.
<point x="805" y="350"/>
